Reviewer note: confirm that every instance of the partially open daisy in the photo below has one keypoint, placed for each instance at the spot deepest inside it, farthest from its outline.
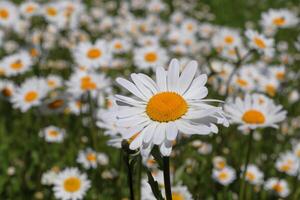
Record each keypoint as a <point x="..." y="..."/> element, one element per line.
<point x="278" y="186"/>
<point x="224" y="176"/>
<point x="92" y="55"/>
<point x="260" y="42"/>
<point x="7" y="89"/>
<point x="161" y="109"/>
<point x="71" y="184"/>
<point x="29" y="94"/>
<point x="53" y="134"/>
<point x="253" y="113"/>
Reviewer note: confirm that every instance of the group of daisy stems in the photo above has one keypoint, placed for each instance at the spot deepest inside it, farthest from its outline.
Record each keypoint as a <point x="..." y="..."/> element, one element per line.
<point x="166" y="160"/>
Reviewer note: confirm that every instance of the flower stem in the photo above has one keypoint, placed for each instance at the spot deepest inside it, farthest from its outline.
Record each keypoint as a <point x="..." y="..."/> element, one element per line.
<point x="167" y="181"/>
<point x="243" y="184"/>
<point x="129" y="175"/>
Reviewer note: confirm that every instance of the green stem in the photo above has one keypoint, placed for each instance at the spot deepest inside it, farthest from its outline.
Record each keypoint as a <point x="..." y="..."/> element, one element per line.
<point x="167" y="181"/>
<point x="129" y="175"/>
<point x="243" y="183"/>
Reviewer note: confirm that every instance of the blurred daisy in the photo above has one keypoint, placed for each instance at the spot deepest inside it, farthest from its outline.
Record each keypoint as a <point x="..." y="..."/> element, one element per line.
<point x="160" y="110"/>
<point x="281" y="18"/>
<point x="260" y="42"/>
<point x="7" y="89"/>
<point x="279" y="186"/>
<point x="219" y="162"/>
<point x="151" y="56"/>
<point x="251" y="113"/>
<point x="50" y="176"/>
<point x="226" y="38"/>
<point x="29" y="8"/>
<point x="29" y="94"/>
<point x="180" y="192"/>
<point x="288" y="163"/>
<point x="8" y="14"/>
<point x="54" y="81"/>
<point x="254" y="175"/>
<point x="88" y="158"/>
<point x="119" y="45"/>
<point x="53" y="134"/>
<point x="81" y="82"/>
<point x="224" y="176"/>
<point x="71" y="184"/>
<point x="92" y="55"/>
<point x="17" y="63"/>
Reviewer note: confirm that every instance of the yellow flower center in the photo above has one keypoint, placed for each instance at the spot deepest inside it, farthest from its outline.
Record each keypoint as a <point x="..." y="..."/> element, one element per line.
<point x="94" y="53"/>
<point x="53" y="133"/>
<point x="279" y="21"/>
<point x="30" y="9"/>
<point x="6" y="92"/>
<point x="223" y="176"/>
<point x="190" y="27"/>
<point x="228" y="39"/>
<point x="277" y="187"/>
<point x="56" y="104"/>
<point x="31" y="96"/>
<point x="17" y="65"/>
<point x="51" y="83"/>
<point x="286" y="167"/>
<point x="270" y="89"/>
<point x="4" y="14"/>
<point x="259" y="42"/>
<point x="72" y="184"/>
<point x="51" y="11"/>
<point x="166" y="106"/>
<point x="91" y="157"/>
<point x="241" y="82"/>
<point x="253" y="117"/>
<point x="33" y="52"/>
<point x="250" y="176"/>
<point x="118" y="45"/>
<point x="221" y="164"/>
<point x="280" y="75"/>
<point x="150" y="57"/>
<point x="87" y="83"/>
<point x="177" y="196"/>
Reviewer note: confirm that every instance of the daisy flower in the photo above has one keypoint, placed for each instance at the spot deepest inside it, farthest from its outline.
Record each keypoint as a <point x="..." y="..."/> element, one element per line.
<point x="224" y="176"/>
<point x="29" y="8"/>
<point x="288" y="163"/>
<point x="53" y="134"/>
<point x="29" y="94"/>
<point x="120" y="45"/>
<point x="8" y="14"/>
<point x="260" y="42"/>
<point x="54" y="81"/>
<point x="174" y="103"/>
<point x="50" y="176"/>
<point x="82" y="81"/>
<point x="70" y="184"/>
<point x="17" y="63"/>
<point x="7" y="89"/>
<point x="219" y="162"/>
<point x="150" y="56"/>
<point x="92" y="55"/>
<point x="226" y="38"/>
<point x="253" y="113"/>
<point x="254" y="175"/>
<point x="281" y="18"/>
<point x="279" y="186"/>
<point x="181" y="192"/>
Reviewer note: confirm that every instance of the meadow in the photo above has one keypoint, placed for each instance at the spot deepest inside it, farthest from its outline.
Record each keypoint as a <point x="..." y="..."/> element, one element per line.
<point x="159" y="99"/>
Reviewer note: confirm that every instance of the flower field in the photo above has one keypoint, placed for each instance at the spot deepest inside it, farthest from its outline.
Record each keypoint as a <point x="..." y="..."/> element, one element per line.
<point x="146" y="100"/>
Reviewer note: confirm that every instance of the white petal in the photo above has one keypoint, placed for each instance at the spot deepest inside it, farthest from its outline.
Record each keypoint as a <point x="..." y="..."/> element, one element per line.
<point x="159" y="134"/>
<point x="173" y="75"/>
<point x="161" y="79"/>
<point x="171" y="131"/>
<point x="187" y="76"/>
<point x="131" y="88"/>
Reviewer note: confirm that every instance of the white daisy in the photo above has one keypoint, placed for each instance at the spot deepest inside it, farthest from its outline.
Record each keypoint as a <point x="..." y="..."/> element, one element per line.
<point x="150" y="56"/>
<point x="288" y="163"/>
<point x="29" y="9"/>
<point x="260" y="42"/>
<point x="279" y="186"/>
<point x="8" y="14"/>
<point x="53" y="134"/>
<point x="254" y="175"/>
<point x="17" y="63"/>
<point x="29" y="94"/>
<point x="281" y="18"/>
<point x="70" y="184"/>
<point x="92" y="55"/>
<point x="224" y="176"/>
<point x="253" y="113"/>
<point x="160" y="110"/>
